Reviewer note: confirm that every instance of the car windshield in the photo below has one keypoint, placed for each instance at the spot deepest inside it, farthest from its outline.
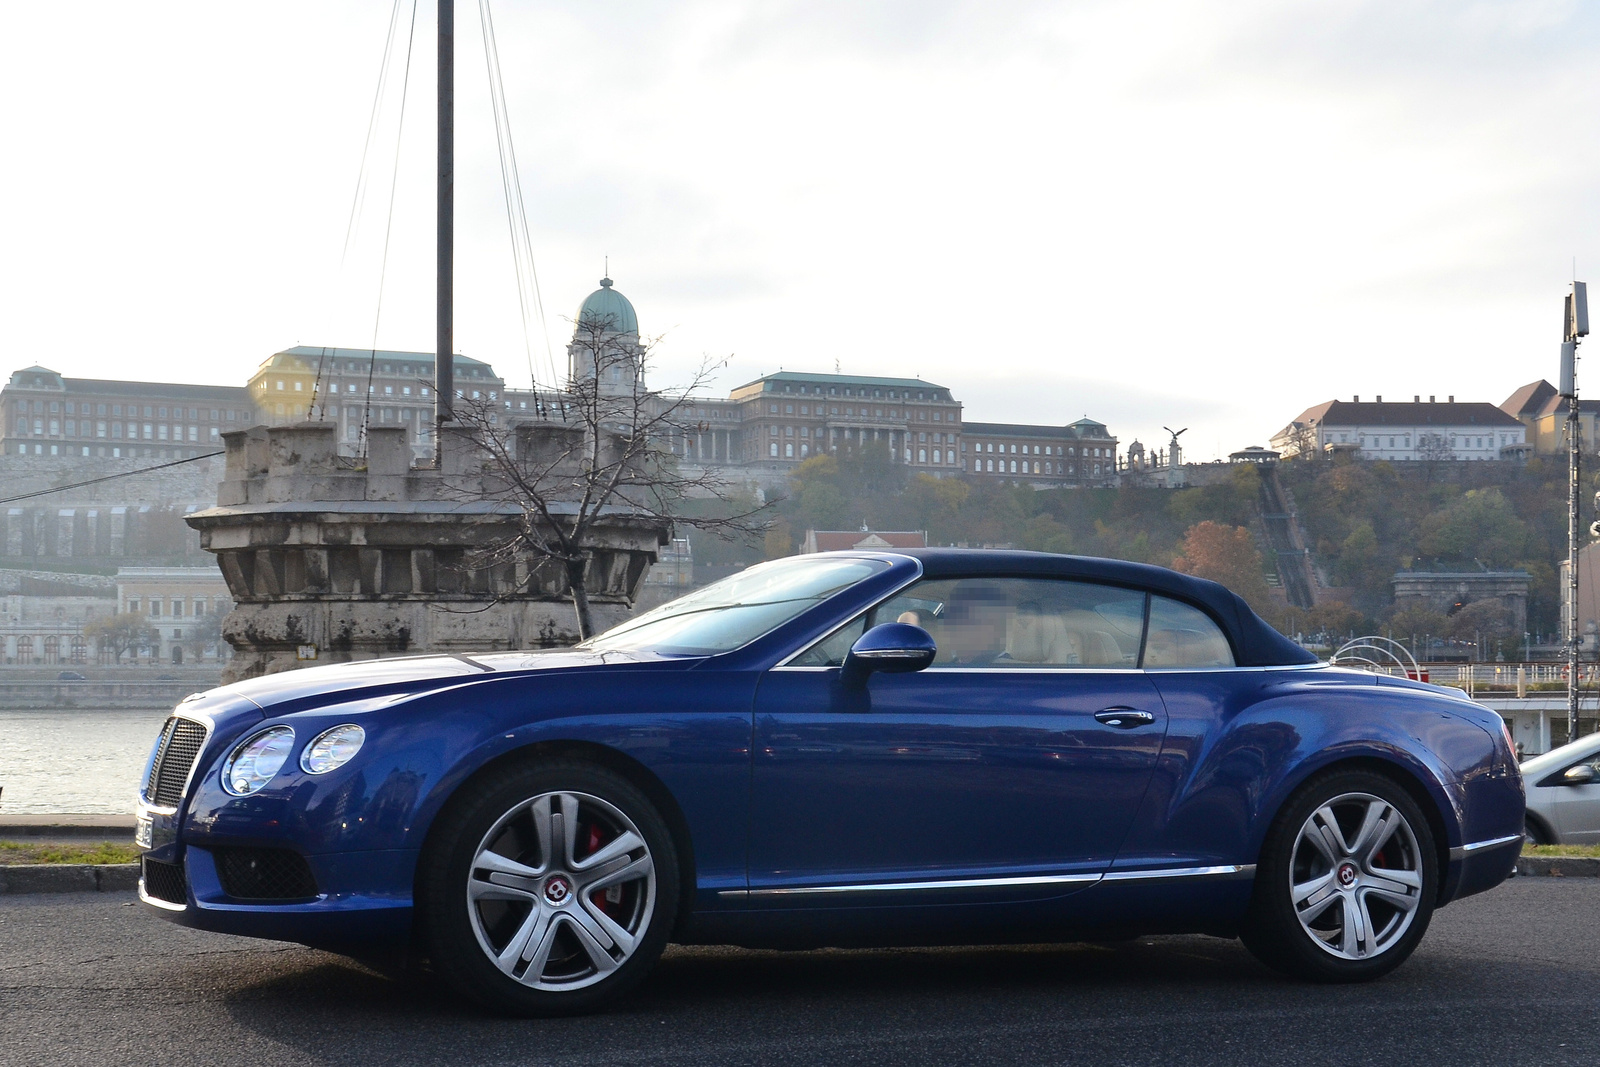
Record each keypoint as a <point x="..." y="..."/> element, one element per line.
<point x="737" y="610"/>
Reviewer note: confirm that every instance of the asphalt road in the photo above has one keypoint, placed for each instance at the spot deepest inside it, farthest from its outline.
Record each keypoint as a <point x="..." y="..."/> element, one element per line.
<point x="1510" y="977"/>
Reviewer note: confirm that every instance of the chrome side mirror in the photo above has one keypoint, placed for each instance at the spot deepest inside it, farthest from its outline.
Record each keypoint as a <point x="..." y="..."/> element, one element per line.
<point x="1582" y="774"/>
<point x="893" y="648"/>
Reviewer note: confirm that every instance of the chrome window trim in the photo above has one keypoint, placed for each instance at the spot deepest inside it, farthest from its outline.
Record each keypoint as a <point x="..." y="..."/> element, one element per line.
<point x="143" y="805"/>
<point x="783" y="664"/>
<point x="1463" y="851"/>
<point x="1246" y="870"/>
<point x="1076" y="670"/>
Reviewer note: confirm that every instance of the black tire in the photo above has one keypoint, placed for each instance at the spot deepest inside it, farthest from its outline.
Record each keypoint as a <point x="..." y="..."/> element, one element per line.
<point x="459" y="933"/>
<point x="1537" y="834"/>
<point x="1329" y="947"/>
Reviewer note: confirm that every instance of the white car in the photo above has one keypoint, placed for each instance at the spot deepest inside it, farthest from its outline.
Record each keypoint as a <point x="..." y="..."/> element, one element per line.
<point x="1564" y="794"/>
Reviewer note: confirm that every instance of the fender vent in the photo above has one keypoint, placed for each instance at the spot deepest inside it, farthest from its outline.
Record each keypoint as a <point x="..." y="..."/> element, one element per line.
<point x="265" y="874"/>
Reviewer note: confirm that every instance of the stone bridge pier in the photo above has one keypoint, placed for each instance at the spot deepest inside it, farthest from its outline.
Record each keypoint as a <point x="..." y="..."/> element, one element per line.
<point x="334" y="558"/>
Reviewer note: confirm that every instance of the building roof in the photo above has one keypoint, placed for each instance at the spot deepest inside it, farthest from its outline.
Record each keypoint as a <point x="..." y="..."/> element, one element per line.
<point x="864" y="540"/>
<point x="841" y="379"/>
<point x="1416" y="413"/>
<point x="607" y="308"/>
<point x="314" y="352"/>
<point x="1528" y="399"/>
<point x="1083" y="428"/>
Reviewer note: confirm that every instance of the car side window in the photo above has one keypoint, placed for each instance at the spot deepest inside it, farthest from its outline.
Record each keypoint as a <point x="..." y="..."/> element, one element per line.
<point x="1005" y="623"/>
<point x="1183" y="636"/>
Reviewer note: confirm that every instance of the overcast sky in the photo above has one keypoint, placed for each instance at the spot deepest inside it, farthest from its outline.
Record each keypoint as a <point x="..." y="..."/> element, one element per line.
<point x="1210" y="214"/>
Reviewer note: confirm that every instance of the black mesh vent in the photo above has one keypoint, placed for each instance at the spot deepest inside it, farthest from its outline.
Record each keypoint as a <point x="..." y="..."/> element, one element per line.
<point x="180" y="747"/>
<point x="265" y="874"/>
<point x="164" y="881"/>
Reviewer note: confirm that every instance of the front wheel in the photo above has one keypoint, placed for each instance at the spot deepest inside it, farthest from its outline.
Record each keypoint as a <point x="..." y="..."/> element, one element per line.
<point x="548" y="889"/>
<point x="1346" y="883"/>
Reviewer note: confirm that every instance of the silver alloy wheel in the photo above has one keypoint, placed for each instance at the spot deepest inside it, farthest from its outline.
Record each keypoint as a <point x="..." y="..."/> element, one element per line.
<point x="1355" y="877"/>
<point x="561" y="890"/>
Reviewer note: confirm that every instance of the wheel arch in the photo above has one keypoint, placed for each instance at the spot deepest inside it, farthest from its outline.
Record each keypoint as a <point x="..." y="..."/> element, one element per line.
<point x="1407" y="778"/>
<point x="620" y="763"/>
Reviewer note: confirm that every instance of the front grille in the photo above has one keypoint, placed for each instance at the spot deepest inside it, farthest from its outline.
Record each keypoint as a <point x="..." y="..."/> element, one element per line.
<point x="176" y="752"/>
<point x="265" y="874"/>
<point x="164" y="881"/>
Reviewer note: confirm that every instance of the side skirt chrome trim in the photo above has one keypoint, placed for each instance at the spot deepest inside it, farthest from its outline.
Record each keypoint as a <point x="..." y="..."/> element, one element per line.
<point x="1462" y="851"/>
<point x="895" y="887"/>
<point x="1231" y="871"/>
<point x="1236" y="870"/>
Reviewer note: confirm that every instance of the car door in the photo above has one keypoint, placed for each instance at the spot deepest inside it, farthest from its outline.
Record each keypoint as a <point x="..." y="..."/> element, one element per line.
<point x="1577" y="808"/>
<point x="1017" y="759"/>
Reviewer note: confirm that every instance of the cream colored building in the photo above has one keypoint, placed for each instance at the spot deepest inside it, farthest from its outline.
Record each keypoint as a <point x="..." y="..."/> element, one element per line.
<point x="174" y="600"/>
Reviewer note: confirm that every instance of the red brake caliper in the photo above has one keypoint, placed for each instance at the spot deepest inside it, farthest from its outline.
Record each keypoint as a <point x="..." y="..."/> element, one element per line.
<point x="595" y="841"/>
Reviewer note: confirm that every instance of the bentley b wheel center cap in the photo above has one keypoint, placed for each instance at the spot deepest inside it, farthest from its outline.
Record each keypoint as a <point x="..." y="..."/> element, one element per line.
<point x="1347" y="875"/>
<point x="557" y="890"/>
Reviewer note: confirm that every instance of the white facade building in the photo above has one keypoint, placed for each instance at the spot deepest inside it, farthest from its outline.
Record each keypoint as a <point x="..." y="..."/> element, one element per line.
<point x="1403" y="432"/>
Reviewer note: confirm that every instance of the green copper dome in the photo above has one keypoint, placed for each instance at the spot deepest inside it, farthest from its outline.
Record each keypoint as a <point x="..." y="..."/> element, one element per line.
<point x="607" y="308"/>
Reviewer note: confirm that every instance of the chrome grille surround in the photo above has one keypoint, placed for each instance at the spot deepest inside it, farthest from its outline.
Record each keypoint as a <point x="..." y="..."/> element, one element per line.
<point x="177" y="755"/>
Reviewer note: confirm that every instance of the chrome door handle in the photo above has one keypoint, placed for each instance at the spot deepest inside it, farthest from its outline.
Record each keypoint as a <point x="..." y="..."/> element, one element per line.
<point x="1124" y="718"/>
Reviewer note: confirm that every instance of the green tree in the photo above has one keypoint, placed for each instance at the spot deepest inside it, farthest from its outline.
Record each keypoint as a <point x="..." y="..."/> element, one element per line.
<point x="1480" y="524"/>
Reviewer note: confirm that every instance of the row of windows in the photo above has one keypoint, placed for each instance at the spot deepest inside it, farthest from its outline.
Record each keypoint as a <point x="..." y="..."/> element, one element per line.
<point x="861" y="391"/>
<point x="113" y="452"/>
<point x="69" y="407"/>
<point x="854" y="412"/>
<point x="941" y="456"/>
<point x="152" y="607"/>
<point x="1070" y="450"/>
<point x="116" y="430"/>
<point x="360" y="367"/>
<point x="1425" y="440"/>
<point x="1046" y="467"/>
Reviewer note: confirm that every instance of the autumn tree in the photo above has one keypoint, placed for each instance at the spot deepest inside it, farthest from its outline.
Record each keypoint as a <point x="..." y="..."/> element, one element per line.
<point x="1225" y="554"/>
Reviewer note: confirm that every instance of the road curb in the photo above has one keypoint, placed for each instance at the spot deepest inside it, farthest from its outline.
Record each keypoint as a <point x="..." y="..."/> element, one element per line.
<point x="69" y="878"/>
<point x="1560" y="866"/>
<point x="107" y="826"/>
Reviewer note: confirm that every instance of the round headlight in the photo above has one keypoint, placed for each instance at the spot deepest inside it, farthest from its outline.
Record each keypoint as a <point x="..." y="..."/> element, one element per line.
<point x="252" y="765"/>
<point x="332" y="748"/>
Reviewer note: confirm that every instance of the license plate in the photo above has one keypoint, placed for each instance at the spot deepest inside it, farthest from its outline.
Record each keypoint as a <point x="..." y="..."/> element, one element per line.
<point x="142" y="831"/>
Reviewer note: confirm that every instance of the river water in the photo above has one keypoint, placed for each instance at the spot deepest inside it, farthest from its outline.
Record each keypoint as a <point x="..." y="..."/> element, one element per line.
<point x="74" y="761"/>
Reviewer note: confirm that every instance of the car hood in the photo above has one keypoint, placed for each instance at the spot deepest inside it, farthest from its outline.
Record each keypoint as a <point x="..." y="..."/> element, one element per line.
<point x="310" y="686"/>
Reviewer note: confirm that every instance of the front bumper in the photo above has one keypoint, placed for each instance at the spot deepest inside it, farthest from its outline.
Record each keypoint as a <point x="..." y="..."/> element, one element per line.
<point x="372" y="919"/>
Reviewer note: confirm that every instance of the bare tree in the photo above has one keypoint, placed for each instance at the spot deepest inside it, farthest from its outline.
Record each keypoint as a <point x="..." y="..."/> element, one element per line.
<point x="606" y="449"/>
<point x="1297" y="440"/>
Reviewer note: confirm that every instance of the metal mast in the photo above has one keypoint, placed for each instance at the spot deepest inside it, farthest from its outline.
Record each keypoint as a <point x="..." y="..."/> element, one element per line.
<point x="444" y="376"/>
<point x="1574" y="326"/>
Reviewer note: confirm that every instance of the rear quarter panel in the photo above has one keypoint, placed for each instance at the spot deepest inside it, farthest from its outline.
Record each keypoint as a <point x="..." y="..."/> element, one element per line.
<point x="1240" y="743"/>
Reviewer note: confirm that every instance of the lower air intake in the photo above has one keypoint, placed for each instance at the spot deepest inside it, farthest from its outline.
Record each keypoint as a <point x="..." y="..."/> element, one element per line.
<point x="274" y="874"/>
<point x="163" y="881"/>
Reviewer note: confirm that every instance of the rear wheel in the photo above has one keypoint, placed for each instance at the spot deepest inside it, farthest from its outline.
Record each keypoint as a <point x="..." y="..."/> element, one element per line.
<point x="548" y="889"/>
<point x="1346" y="883"/>
<point x="1535" y="831"/>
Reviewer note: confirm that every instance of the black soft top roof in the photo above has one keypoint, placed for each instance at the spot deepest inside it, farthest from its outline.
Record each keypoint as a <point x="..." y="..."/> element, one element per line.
<point x="1255" y="644"/>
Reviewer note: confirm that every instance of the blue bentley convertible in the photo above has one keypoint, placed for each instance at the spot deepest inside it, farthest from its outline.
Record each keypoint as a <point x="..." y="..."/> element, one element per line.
<point x="930" y="747"/>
